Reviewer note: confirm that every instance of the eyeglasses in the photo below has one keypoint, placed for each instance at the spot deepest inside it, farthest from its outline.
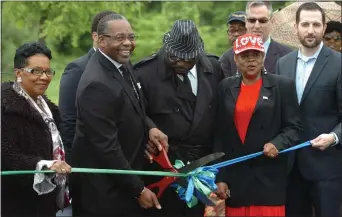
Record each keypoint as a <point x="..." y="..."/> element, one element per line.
<point x="39" y="72"/>
<point x="329" y="38"/>
<point x="261" y="20"/>
<point x="121" y="38"/>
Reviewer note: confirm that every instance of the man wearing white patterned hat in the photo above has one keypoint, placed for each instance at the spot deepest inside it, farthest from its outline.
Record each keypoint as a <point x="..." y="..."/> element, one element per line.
<point x="180" y="83"/>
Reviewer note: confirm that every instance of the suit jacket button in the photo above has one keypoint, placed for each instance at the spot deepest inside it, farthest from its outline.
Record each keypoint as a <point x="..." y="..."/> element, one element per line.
<point x="209" y="106"/>
<point x="176" y="109"/>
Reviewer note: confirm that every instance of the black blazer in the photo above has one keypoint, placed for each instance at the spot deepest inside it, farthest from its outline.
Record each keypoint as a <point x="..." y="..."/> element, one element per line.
<point x="190" y="137"/>
<point x="67" y="94"/>
<point x="259" y="181"/>
<point x="111" y="133"/>
<point x="275" y="51"/>
<point x="321" y="112"/>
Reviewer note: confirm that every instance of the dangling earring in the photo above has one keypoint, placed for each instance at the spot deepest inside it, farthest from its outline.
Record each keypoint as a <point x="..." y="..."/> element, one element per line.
<point x="19" y="80"/>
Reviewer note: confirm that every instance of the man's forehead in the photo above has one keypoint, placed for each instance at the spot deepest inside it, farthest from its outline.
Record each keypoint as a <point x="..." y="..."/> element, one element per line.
<point x="120" y="29"/>
<point x="310" y="16"/>
<point x="117" y="24"/>
<point x="258" y="11"/>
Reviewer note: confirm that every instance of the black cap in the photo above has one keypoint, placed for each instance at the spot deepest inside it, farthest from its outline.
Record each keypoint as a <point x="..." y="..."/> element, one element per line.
<point x="237" y="16"/>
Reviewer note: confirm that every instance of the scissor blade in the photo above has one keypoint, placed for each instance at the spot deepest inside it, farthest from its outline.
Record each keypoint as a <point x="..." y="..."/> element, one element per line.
<point x="200" y="162"/>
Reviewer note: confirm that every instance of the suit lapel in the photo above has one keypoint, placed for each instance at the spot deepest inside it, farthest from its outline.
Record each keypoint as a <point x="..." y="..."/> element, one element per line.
<point x="259" y="114"/>
<point x="235" y="90"/>
<point x="271" y="59"/>
<point x="117" y="75"/>
<point x="321" y="61"/>
<point x="137" y="87"/>
<point x="203" y="99"/>
<point x="264" y="94"/>
<point x="293" y="68"/>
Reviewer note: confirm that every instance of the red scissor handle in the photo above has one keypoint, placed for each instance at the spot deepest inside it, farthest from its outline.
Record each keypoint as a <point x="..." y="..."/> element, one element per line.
<point x="159" y="187"/>
<point x="163" y="160"/>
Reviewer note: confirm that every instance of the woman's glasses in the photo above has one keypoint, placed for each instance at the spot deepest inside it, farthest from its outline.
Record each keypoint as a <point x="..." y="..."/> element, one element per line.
<point x="39" y="72"/>
<point x="329" y="38"/>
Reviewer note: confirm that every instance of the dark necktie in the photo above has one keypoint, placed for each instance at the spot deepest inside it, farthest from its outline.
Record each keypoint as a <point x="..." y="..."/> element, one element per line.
<point x="187" y="82"/>
<point x="127" y="78"/>
<point x="125" y="75"/>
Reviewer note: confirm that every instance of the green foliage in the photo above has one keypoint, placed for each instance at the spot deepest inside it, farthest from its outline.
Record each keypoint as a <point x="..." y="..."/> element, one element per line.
<point x="65" y="27"/>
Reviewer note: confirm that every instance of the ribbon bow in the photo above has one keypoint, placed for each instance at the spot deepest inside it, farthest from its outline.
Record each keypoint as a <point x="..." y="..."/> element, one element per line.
<point x="201" y="183"/>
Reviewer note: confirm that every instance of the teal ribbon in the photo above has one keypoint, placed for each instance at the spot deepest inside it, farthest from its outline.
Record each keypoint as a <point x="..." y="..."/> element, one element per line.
<point x="201" y="181"/>
<point x="99" y="171"/>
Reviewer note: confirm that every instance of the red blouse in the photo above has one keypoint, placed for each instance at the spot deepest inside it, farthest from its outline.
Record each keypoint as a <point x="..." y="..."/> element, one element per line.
<point x="245" y="106"/>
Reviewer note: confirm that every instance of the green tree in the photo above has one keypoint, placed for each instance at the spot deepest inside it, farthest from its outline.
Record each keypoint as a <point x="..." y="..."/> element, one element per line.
<point x="65" y="27"/>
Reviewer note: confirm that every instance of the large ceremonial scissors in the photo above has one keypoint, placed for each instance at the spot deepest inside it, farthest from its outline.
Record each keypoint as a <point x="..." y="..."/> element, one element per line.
<point x="163" y="160"/>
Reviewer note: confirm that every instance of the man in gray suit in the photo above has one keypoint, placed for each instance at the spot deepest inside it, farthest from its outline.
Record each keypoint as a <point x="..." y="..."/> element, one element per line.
<point x="316" y="176"/>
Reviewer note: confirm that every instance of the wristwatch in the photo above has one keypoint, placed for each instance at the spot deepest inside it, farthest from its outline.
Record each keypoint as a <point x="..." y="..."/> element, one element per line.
<point x="335" y="140"/>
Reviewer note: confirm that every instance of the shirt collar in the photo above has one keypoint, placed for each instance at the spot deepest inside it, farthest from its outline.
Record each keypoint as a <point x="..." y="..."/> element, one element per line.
<point x="304" y="58"/>
<point x="116" y="64"/>
<point x="94" y="48"/>
<point x="193" y="71"/>
<point x="267" y="44"/>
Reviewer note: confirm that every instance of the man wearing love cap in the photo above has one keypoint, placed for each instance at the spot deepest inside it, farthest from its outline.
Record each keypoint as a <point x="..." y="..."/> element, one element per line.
<point x="256" y="111"/>
<point x="180" y="83"/>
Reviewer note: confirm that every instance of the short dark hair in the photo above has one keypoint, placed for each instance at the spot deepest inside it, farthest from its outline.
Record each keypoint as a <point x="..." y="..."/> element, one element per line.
<point x="334" y="26"/>
<point x="102" y="27"/>
<point x="97" y="19"/>
<point x="27" y="50"/>
<point x="309" y="6"/>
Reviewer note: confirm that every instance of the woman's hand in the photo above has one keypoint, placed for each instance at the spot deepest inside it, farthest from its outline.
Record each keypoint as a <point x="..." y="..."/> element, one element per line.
<point x="223" y="191"/>
<point x="270" y="150"/>
<point x="61" y="167"/>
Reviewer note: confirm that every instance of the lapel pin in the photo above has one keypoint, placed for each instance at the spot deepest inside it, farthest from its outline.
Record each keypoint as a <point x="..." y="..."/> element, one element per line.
<point x="139" y="85"/>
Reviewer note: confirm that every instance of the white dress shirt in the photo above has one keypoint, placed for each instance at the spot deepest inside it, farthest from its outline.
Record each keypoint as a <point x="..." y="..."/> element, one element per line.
<point x="192" y="75"/>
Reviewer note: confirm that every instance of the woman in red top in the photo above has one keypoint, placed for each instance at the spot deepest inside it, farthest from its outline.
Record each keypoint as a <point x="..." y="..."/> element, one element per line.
<point x="257" y="111"/>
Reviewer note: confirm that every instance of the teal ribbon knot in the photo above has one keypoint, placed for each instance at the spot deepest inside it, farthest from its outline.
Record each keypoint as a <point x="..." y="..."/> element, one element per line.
<point x="201" y="183"/>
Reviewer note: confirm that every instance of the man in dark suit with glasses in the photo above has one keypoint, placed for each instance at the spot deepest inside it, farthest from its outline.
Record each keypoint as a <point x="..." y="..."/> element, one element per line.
<point x="259" y="22"/>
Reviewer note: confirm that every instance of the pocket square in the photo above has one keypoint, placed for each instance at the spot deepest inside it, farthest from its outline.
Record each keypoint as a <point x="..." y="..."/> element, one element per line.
<point x="265" y="97"/>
